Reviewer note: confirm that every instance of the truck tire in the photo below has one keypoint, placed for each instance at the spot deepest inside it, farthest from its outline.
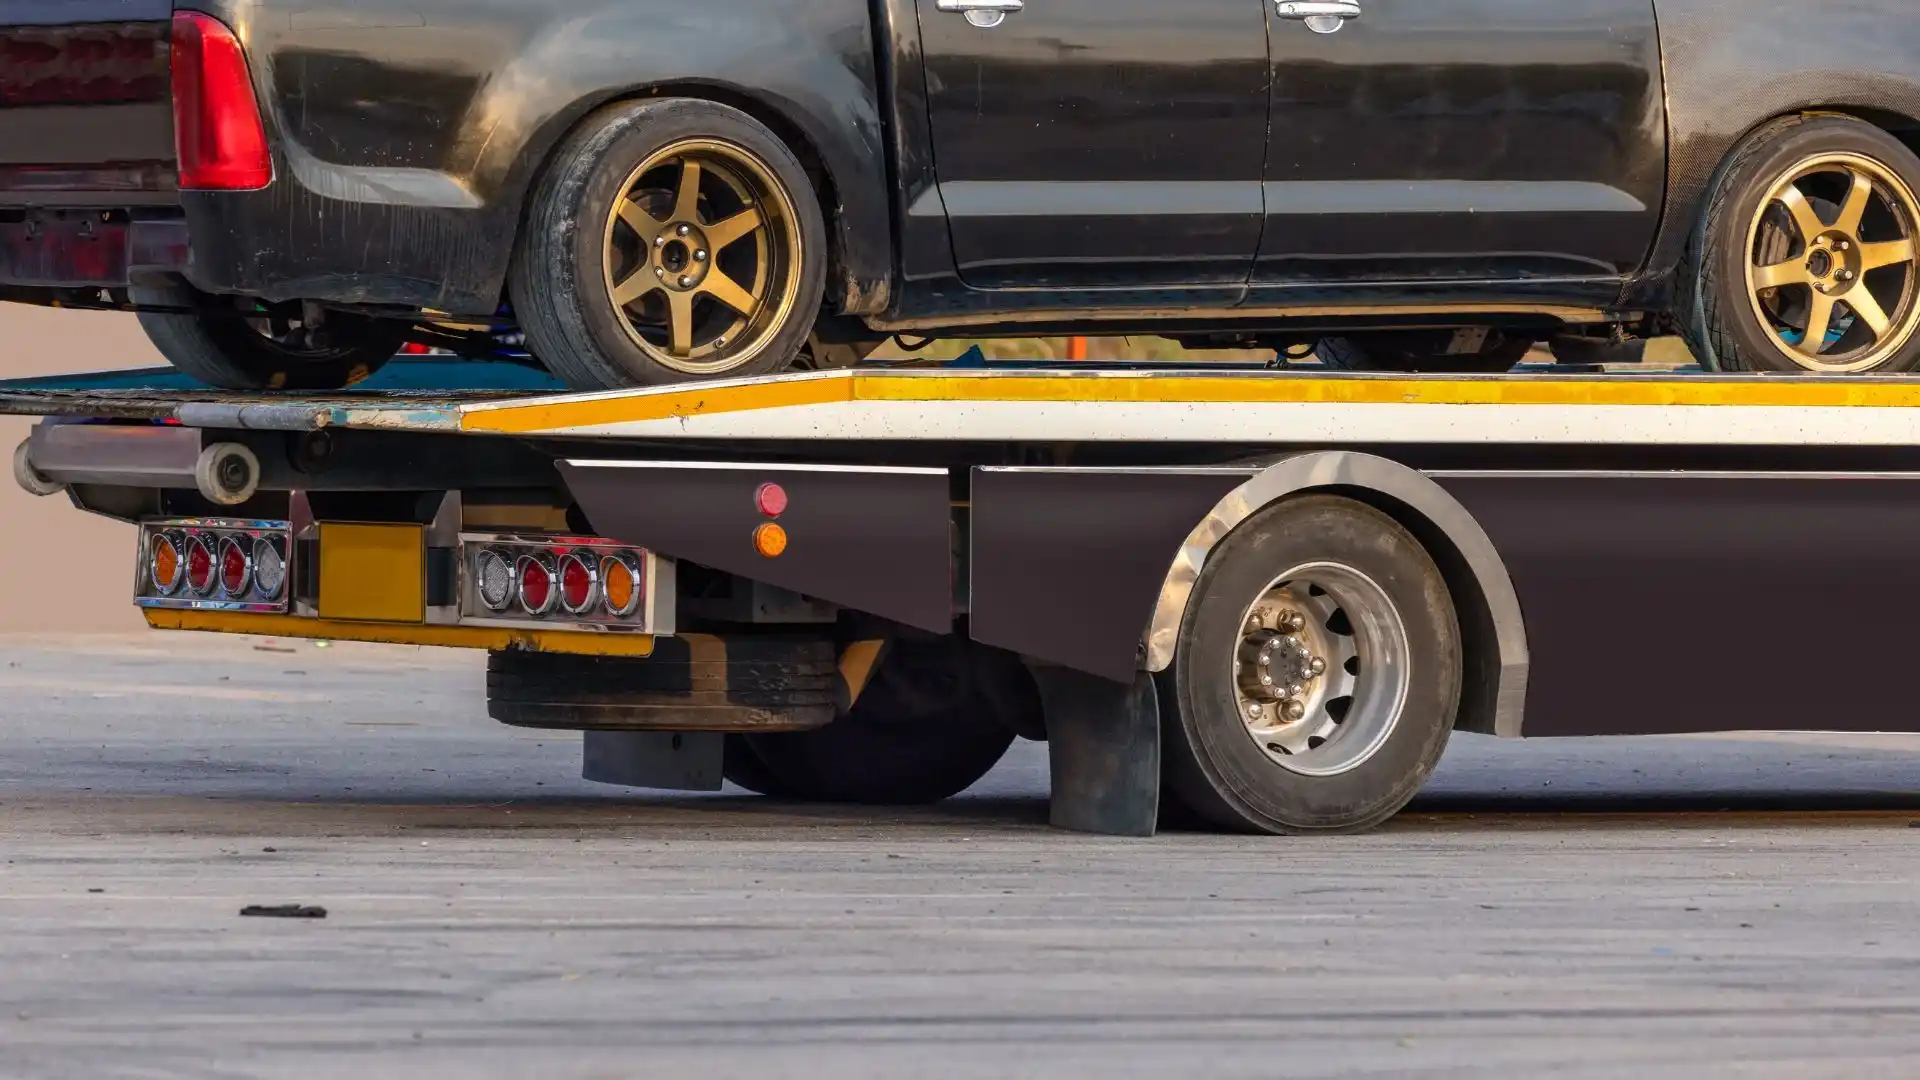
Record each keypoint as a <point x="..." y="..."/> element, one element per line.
<point x="1317" y="673"/>
<point x="937" y="716"/>
<point x="670" y="240"/>
<point x="1804" y="258"/>
<point x="263" y="350"/>
<point x="1411" y="351"/>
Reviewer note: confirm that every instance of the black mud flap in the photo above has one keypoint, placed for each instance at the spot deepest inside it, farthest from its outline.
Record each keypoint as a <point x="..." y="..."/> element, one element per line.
<point x="1103" y="751"/>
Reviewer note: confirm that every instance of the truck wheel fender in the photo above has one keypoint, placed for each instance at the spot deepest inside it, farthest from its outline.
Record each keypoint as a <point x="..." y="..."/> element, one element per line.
<point x="1491" y="705"/>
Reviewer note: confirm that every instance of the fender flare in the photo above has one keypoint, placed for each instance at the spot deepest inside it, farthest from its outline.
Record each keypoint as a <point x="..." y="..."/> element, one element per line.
<point x="1492" y="703"/>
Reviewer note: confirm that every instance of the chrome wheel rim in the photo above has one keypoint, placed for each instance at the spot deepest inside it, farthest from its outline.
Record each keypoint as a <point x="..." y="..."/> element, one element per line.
<point x="1831" y="269"/>
<point x="1320" y="672"/>
<point x="702" y="257"/>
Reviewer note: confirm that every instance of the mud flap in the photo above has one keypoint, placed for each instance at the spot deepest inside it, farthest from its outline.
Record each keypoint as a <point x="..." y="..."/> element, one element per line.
<point x="1103" y="750"/>
<point x="664" y="760"/>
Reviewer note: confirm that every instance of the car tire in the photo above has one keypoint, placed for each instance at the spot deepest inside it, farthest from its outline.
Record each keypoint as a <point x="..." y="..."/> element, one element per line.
<point x="1374" y="613"/>
<point x="1419" y="351"/>
<point x="1755" y="288"/>
<point x="264" y="351"/>
<point x="658" y="224"/>
<point x="935" y="718"/>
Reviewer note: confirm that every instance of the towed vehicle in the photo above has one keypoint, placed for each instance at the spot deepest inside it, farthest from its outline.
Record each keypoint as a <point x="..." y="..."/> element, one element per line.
<point x="643" y="192"/>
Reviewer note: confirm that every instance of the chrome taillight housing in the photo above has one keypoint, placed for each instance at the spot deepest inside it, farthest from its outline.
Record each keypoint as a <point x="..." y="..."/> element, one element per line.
<point x="557" y="582"/>
<point x="220" y="564"/>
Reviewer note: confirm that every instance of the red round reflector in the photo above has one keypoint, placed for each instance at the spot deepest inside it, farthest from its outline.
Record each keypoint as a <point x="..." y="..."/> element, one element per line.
<point x="199" y="566"/>
<point x="236" y="569"/>
<point x="536" y="585"/>
<point x="771" y="499"/>
<point x="576" y="583"/>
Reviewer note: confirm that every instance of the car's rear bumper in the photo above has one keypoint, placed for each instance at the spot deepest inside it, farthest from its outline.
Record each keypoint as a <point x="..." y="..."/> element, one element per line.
<point x="104" y="249"/>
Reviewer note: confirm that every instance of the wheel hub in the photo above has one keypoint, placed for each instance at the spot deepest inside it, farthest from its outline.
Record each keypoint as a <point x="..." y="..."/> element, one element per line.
<point x="1277" y="669"/>
<point x="1833" y="263"/>
<point x="1319" y="670"/>
<point x="681" y="258"/>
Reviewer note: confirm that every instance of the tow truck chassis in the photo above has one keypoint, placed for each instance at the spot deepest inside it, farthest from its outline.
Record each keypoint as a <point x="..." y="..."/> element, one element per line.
<point x="1513" y="556"/>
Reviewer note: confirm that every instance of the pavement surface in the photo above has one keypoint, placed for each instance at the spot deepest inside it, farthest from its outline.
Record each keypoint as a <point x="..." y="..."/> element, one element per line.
<point x="1653" y="907"/>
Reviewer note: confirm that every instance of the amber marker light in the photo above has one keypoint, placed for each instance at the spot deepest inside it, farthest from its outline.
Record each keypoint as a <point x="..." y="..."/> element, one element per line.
<point x="770" y="540"/>
<point x="619" y="585"/>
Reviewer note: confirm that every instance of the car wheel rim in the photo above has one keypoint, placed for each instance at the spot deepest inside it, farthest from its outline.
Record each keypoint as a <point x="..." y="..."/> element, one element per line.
<point x="702" y="256"/>
<point x="1831" y="268"/>
<point x="1321" y="669"/>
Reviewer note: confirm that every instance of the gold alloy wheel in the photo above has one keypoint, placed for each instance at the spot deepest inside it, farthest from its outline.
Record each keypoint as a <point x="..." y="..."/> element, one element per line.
<point x="702" y="256"/>
<point x="1831" y="263"/>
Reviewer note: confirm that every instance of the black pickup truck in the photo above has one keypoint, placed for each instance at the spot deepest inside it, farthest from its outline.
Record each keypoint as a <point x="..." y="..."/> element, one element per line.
<point x="658" y="190"/>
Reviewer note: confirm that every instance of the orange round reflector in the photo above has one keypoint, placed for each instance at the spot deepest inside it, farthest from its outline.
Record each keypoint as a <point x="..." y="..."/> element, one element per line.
<point x="617" y="586"/>
<point x="165" y="570"/>
<point x="770" y="540"/>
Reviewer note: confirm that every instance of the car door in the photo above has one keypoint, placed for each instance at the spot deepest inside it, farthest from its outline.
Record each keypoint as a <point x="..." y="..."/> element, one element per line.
<point x="1098" y="142"/>
<point x="1462" y="139"/>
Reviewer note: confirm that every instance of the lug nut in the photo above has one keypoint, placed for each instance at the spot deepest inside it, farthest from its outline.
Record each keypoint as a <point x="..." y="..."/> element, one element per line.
<point x="1255" y="712"/>
<point x="1266" y="680"/>
<point x="1296" y="710"/>
<point x="684" y="230"/>
<point x="1317" y="666"/>
<point x="660" y="241"/>
<point x="685" y="281"/>
<point x="1266" y="660"/>
<point x="1841" y="245"/>
<point x="700" y="256"/>
<point x="658" y="272"/>
<point x="1846" y="275"/>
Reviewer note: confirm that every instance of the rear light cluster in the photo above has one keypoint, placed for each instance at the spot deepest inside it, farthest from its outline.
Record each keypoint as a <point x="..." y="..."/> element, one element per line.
<point x="556" y="580"/>
<point x="215" y="563"/>
<point x="217" y="131"/>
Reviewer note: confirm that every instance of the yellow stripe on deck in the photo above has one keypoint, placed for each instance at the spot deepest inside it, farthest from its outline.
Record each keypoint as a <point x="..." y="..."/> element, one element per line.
<point x="559" y="414"/>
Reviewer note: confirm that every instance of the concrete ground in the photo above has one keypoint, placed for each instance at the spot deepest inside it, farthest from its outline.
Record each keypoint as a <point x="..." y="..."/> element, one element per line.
<point x="1657" y="907"/>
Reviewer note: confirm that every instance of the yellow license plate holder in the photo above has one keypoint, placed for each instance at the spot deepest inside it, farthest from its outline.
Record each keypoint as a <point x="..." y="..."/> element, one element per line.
<point x="373" y="573"/>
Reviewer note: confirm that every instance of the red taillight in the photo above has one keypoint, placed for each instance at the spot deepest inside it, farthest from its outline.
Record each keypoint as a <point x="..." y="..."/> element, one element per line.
<point x="199" y="566"/>
<point x="236" y="569"/>
<point x="536" y="584"/>
<point x="577" y="581"/>
<point x="217" y="131"/>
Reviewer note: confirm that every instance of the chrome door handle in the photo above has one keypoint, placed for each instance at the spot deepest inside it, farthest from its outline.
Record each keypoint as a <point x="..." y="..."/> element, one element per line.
<point x="1321" y="16"/>
<point x="985" y="14"/>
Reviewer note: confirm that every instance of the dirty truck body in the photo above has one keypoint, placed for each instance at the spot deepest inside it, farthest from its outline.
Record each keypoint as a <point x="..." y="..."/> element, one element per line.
<point x="1265" y="595"/>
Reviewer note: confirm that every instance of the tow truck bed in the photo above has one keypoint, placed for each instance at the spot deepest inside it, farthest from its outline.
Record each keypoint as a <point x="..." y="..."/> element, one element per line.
<point x="1620" y="553"/>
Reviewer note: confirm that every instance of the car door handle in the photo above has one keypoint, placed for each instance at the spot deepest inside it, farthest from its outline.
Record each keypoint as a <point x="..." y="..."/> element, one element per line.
<point x="1321" y="16"/>
<point x="985" y="14"/>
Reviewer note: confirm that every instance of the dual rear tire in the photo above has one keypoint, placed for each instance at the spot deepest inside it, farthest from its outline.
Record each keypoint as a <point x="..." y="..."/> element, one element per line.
<point x="1317" y="674"/>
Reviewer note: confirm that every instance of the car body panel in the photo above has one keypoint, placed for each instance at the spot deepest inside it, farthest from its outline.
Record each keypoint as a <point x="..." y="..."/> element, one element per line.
<point x="1435" y="162"/>
<point x="1089" y="143"/>
<point x="1731" y="68"/>
<point x="1436" y="140"/>
<point x="409" y="134"/>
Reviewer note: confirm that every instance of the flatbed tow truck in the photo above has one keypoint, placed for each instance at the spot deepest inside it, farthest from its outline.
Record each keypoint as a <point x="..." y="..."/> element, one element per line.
<point x="1262" y="599"/>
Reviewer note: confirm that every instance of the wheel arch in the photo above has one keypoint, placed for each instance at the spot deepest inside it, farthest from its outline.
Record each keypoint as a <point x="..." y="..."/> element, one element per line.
<point x="1493" y="628"/>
